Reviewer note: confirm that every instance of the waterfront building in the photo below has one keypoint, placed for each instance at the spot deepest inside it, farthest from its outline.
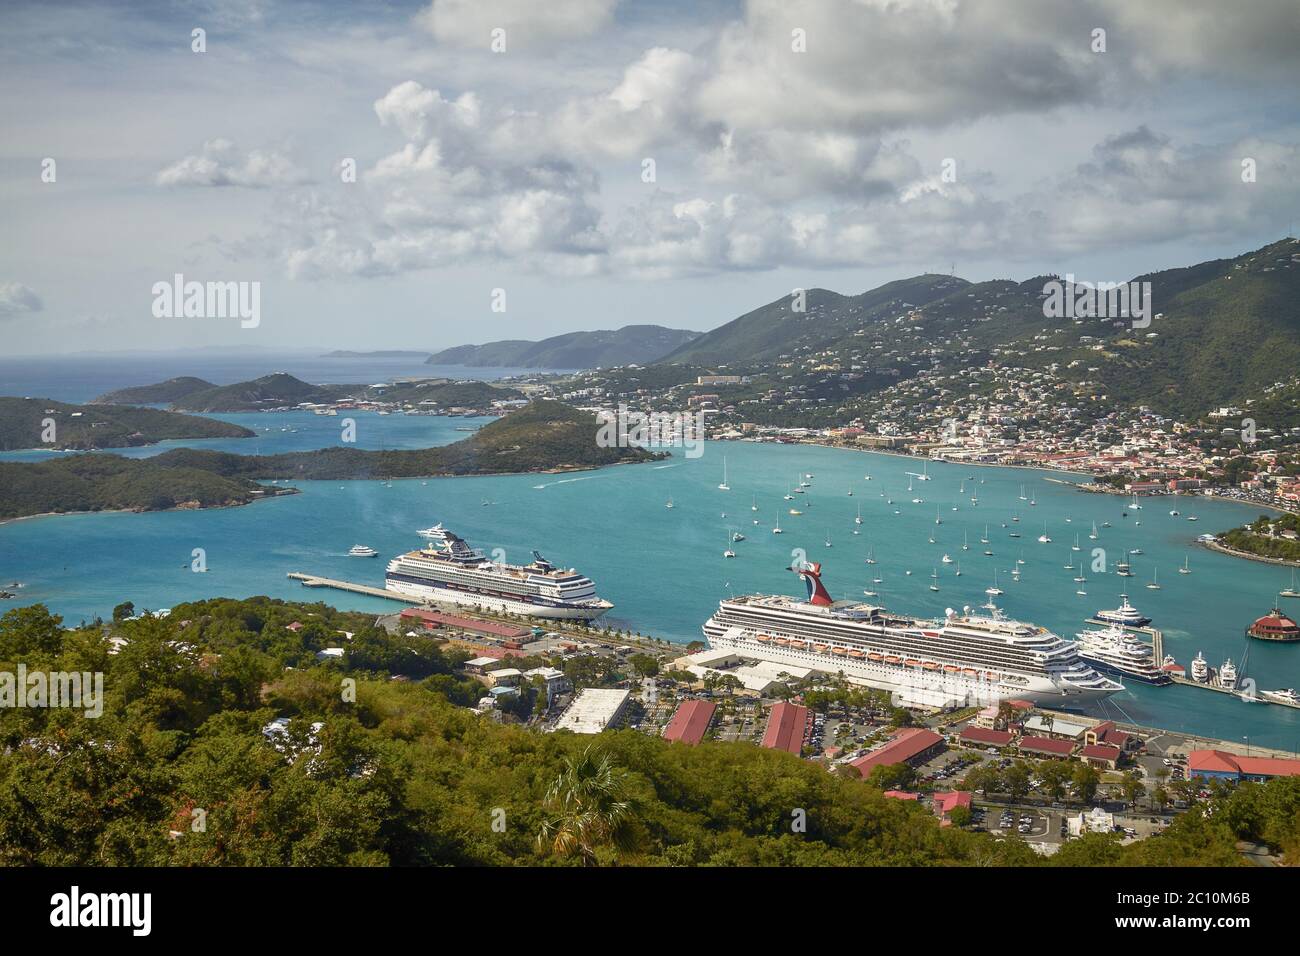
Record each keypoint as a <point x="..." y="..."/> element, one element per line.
<point x="1221" y="765"/>
<point x="1045" y="747"/>
<point x="986" y="737"/>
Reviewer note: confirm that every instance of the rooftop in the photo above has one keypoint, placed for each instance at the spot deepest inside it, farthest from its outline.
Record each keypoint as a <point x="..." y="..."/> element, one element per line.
<point x="691" y="721"/>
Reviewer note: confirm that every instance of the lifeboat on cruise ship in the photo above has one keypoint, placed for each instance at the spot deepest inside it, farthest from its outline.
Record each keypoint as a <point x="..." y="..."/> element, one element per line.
<point x="970" y="672"/>
<point x="950" y="668"/>
<point x="764" y="638"/>
<point x="856" y="653"/>
<point x="821" y="648"/>
<point x="838" y="650"/>
<point x="873" y="656"/>
<point x="800" y="645"/>
<point x="912" y="662"/>
<point x="783" y="641"/>
<point x="891" y="659"/>
<point x="930" y="666"/>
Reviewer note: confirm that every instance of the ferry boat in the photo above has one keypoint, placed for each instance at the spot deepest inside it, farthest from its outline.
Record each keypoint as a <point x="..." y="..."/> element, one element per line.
<point x="964" y="658"/>
<point x="361" y="551"/>
<point x="1125" y="615"/>
<point x="1113" y="650"/>
<point x="454" y="572"/>
<point x="1200" y="669"/>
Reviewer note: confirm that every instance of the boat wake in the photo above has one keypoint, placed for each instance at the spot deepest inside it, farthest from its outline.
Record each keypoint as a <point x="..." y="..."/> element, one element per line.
<point x="565" y="481"/>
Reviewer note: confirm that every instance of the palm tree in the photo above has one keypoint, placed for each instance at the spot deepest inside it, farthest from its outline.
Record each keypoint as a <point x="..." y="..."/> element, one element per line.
<point x="588" y="811"/>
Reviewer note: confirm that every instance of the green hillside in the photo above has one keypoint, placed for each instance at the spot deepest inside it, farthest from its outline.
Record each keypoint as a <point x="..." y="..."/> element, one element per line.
<point x="85" y="427"/>
<point x="160" y="393"/>
<point x="632" y="344"/>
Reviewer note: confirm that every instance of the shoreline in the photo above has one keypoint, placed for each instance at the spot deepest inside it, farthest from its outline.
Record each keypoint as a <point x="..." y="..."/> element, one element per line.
<point x="1249" y="556"/>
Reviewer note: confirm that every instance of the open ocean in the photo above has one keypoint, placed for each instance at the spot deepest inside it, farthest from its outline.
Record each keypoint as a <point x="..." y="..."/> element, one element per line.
<point x="663" y="568"/>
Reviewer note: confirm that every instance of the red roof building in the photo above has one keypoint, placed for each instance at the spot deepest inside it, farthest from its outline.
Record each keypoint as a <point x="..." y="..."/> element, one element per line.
<point x="902" y="795"/>
<point x="909" y="745"/>
<point x="1046" y="746"/>
<point x="1218" y="764"/>
<point x="432" y="619"/>
<point x="949" y="800"/>
<point x="1274" y="626"/>
<point x="691" y="722"/>
<point x="985" y="737"/>
<point x="1107" y="733"/>
<point x="787" y="726"/>
<point x="1101" y="755"/>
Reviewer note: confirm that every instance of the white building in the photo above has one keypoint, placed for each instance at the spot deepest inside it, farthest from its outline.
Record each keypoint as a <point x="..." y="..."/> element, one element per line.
<point x="1095" y="820"/>
<point x="593" y="710"/>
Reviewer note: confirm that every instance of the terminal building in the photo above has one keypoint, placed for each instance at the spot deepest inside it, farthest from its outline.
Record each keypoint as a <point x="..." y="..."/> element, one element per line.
<point x="787" y="727"/>
<point x="911" y="745"/>
<point x="691" y="722"/>
<point x="1221" y="765"/>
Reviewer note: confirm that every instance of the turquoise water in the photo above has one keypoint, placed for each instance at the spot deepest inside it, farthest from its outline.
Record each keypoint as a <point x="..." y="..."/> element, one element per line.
<point x="663" y="568"/>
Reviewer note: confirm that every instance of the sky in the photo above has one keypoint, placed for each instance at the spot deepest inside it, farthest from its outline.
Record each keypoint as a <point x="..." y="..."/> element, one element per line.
<point x="527" y="168"/>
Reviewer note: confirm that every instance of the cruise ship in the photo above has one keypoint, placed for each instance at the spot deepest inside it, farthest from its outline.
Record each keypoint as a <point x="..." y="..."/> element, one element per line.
<point x="964" y="659"/>
<point x="447" y="569"/>
<point x="1113" y="650"/>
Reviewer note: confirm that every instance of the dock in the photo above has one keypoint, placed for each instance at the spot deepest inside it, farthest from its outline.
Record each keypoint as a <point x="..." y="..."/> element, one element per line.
<point x="315" y="581"/>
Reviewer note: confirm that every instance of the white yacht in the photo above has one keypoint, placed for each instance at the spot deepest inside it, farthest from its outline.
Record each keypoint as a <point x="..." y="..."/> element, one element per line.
<point x="1113" y="650"/>
<point x="1228" y="675"/>
<point x="1125" y="615"/>
<point x="1286" y="696"/>
<point x="437" y="533"/>
<point x="361" y="551"/>
<point x="1200" y="669"/>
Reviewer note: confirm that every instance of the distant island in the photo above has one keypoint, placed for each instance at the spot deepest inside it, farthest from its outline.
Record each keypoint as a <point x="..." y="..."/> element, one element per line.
<point x="386" y="353"/>
<point x="44" y="423"/>
<point x="542" y="437"/>
<point x="281" y="390"/>
<point x="630" y="345"/>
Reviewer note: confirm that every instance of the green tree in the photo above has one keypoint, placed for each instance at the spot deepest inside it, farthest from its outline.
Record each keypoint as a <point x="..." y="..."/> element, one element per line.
<point x="588" y="809"/>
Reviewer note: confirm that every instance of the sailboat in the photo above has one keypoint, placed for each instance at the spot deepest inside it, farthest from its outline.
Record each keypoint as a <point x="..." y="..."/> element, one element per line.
<point x="934" y="580"/>
<point x="1093" y="536"/>
<point x="946" y="559"/>
<point x="1022" y="493"/>
<point x="994" y="589"/>
<point x="1075" y="546"/>
<point x="985" y="539"/>
<point x="754" y="503"/>
<point x="937" y="519"/>
<point x="1186" y="569"/>
<point x="958" y="572"/>
<point x="965" y="545"/>
<point x="670" y="503"/>
<point x="728" y="553"/>
<point x="724" y="486"/>
<point x="858" y="519"/>
<point x="1155" y="584"/>
<point x="1045" y="538"/>
<point x="871" y="554"/>
<point x="777" y="527"/>
<point x="1081" y="591"/>
<point x="1290" y="592"/>
<point x="828" y="539"/>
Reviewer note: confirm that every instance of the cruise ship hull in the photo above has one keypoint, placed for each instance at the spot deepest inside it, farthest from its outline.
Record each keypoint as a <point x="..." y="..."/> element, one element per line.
<point x="913" y="685"/>
<point x="488" y="602"/>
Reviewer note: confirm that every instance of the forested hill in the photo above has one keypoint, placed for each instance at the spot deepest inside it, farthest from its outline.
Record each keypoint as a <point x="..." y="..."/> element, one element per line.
<point x="1230" y="326"/>
<point x="282" y="390"/>
<point x="630" y="345"/>
<point x="543" y="436"/>
<point x="26" y="423"/>
<point x="406" y="774"/>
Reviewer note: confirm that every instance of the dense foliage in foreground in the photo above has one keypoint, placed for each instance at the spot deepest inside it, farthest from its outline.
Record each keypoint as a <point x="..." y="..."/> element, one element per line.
<point x="403" y="776"/>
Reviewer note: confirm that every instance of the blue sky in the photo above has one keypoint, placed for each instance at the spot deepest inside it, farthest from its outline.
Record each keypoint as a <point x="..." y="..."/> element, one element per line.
<point x="522" y="169"/>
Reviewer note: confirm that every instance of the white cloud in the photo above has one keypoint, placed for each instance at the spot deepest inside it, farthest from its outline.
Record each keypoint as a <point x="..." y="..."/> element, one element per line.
<point x="220" y="163"/>
<point x="528" y="23"/>
<point x="16" y="298"/>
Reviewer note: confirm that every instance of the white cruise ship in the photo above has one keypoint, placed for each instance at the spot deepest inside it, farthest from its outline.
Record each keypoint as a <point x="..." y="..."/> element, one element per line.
<point x="1113" y="650"/>
<point x="449" y="570"/>
<point x="964" y="659"/>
